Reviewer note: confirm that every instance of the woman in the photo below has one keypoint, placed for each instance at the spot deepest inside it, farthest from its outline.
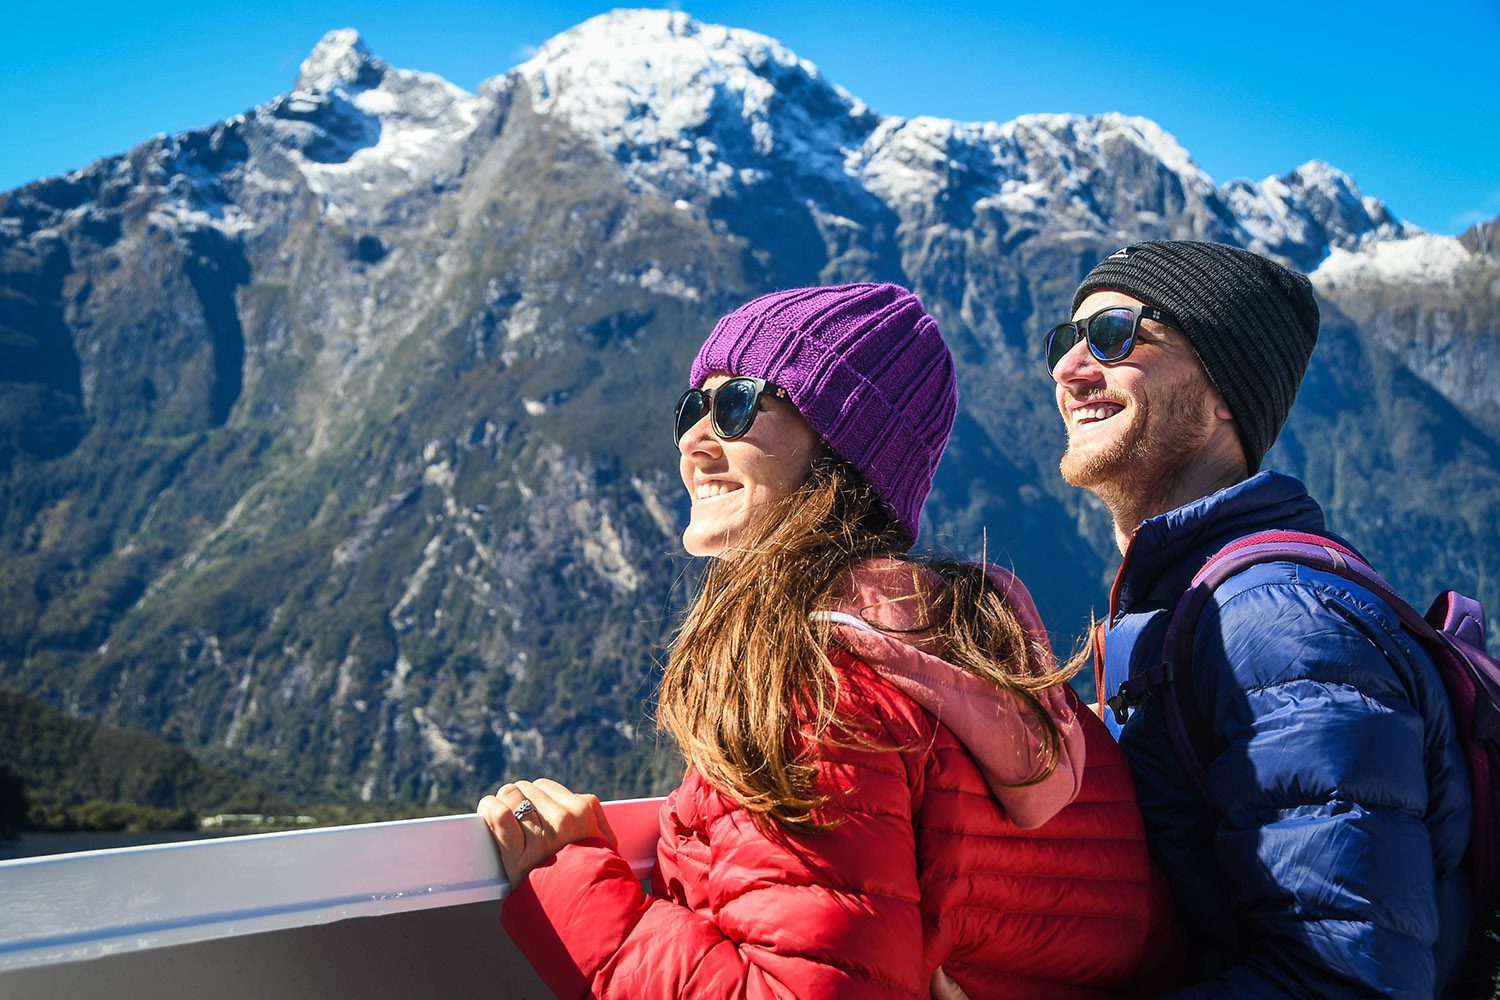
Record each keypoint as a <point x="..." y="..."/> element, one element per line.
<point x="890" y="791"/>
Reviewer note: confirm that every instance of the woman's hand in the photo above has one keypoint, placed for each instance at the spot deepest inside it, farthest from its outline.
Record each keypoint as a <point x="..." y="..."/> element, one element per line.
<point x="557" y="817"/>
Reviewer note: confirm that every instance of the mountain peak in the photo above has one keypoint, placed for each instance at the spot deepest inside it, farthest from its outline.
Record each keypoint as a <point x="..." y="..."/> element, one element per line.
<point x="630" y="64"/>
<point x="679" y="98"/>
<point x="1321" y="174"/>
<point x="1334" y="197"/>
<point x="340" y="57"/>
<point x="638" y="30"/>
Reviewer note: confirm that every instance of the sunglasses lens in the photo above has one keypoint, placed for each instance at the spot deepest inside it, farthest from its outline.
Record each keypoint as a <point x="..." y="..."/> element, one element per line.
<point x="1112" y="334"/>
<point x="1059" y="342"/>
<point x="734" y="407"/>
<point x="691" y="408"/>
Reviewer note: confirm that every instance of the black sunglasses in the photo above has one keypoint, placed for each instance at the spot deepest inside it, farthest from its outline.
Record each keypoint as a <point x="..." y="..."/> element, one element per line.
<point x="1111" y="333"/>
<point x="733" y="406"/>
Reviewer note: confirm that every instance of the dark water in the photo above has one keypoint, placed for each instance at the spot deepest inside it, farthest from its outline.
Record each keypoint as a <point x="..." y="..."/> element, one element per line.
<point x="32" y="845"/>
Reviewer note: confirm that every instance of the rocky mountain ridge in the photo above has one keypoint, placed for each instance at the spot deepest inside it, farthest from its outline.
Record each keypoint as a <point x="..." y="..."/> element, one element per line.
<point x="333" y="436"/>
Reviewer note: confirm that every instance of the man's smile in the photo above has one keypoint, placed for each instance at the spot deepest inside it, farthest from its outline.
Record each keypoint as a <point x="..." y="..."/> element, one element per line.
<point x="1095" y="412"/>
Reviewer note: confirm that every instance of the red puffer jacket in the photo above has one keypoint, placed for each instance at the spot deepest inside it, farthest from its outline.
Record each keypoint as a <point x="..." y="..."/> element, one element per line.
<point x="943" y="877"/>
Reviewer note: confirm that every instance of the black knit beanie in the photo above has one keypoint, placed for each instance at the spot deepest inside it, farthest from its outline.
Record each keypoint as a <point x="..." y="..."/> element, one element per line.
<point x="1252" y="322"/>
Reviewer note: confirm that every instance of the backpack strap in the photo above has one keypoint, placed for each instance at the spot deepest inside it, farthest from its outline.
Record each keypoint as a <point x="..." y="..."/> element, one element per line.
<point x="1191" y="735"/>
<point x="1454" y="614"/>
<point x="1452" y="633"/>
<point x="1460" y="622"/>
<point x="1125" y="673"/>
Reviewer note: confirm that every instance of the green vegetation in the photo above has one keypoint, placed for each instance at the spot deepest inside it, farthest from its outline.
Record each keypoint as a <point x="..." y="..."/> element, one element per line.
<point x="96" y="815"/>
<point x="62" y="773"/>
<point x="346" y="813"/>
<point x="12" y="803"/>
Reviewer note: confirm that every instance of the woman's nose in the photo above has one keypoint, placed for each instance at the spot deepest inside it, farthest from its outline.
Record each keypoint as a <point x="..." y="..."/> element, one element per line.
<point x="699" y="439"/>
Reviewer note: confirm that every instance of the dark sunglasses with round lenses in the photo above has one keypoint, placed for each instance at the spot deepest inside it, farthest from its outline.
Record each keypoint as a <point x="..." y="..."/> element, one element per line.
<point x="1111" y="333"/>
<point x="732" y="405"/>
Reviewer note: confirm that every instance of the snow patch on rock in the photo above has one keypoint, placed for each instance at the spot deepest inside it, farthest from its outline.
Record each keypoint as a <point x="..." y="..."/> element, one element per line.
<point x="1417" y="260"/>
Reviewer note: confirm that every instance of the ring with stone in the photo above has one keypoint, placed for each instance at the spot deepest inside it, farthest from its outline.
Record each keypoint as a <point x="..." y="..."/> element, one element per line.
<point x="523" y="810"/>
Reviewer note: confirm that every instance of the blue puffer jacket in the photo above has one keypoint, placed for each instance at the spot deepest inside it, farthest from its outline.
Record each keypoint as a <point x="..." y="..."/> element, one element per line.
<point x="1328" y="862"/>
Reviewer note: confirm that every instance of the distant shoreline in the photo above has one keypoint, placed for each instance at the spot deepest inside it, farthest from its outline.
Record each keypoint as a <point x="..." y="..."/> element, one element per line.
<point x="45" y="843"/>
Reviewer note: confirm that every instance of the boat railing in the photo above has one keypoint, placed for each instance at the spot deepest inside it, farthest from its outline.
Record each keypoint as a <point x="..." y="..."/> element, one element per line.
<point x="67" y="920"/>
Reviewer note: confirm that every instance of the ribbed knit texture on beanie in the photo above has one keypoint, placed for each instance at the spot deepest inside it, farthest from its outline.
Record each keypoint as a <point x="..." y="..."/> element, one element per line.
<point x="1252" y="322"/>
<point x="867" y="369"/>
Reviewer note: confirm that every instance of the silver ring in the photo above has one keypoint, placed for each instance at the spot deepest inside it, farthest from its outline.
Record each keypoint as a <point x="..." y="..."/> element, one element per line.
<point x="523" y="810"/>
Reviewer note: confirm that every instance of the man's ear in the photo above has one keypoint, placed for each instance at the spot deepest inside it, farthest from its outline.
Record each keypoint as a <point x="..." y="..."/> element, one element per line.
<point x="1215" y="397"/>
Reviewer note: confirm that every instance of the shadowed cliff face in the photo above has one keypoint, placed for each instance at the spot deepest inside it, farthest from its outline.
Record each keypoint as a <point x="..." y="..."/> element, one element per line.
<point x="334" y="437"/>
<point x="41" y="399"/>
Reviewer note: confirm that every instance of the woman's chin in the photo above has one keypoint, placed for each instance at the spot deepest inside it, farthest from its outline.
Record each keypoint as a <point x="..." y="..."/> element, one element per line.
<point x="699" y="542"/>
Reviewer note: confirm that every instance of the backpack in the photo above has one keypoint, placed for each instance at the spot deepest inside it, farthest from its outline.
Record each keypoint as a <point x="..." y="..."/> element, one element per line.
<point x="1452" y="633"/>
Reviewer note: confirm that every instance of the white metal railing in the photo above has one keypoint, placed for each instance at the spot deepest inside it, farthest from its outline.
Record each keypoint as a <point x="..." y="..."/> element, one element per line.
<point x="69" y="907"/>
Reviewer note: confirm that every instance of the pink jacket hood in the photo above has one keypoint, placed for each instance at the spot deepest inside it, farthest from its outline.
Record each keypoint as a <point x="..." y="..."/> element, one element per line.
<point x="877" y="617"/>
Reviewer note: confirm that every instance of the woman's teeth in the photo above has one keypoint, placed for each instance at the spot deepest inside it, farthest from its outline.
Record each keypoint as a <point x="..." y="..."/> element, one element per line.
<point x="712" y="491"/>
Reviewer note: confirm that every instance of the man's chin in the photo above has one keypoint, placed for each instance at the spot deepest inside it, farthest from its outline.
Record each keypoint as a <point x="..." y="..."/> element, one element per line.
<point x="1088" y="470"/>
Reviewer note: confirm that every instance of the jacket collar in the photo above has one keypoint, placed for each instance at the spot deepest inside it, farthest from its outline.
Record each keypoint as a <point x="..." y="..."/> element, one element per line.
<point x="880" y="616"/>
<point x="1166" y="550"/>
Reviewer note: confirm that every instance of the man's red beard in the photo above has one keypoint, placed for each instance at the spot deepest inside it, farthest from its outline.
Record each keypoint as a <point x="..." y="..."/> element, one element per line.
<point x="1147" y="455"/>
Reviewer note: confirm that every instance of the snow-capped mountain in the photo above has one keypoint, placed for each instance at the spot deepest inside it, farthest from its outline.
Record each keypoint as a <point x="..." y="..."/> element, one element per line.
<point x="702" y="110"/>
<point x="690" y="107"/>
<point x="333" y="436"/>
<point x="368" y="132"/>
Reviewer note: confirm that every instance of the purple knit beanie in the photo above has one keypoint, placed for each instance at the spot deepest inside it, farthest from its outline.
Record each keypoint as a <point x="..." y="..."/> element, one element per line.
<point x="867" y="369"/>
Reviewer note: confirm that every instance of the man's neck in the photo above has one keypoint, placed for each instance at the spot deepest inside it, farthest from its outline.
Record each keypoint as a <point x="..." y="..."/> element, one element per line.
<point x="1134" y="501"/>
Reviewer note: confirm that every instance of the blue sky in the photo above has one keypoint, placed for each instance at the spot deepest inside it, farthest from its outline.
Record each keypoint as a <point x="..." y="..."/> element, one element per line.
<point x="1402" y="96"/>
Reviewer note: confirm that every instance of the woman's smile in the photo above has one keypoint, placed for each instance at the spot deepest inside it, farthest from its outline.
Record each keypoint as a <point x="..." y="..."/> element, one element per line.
<point x="729" y="481"/>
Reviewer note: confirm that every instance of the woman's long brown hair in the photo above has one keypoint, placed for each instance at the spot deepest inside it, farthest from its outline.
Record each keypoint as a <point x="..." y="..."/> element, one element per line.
<point x="750" y="667"/>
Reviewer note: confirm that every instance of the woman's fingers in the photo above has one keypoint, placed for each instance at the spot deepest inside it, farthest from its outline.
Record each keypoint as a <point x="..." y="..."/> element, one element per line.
<point x="554" y="788"/>
<point x="510" y="840"/>
<point x="585" y="812"/>
<point x="520" y="805"/>
<point x="545" y="824"/>
<point x="551" y="817"/>
<point x="546" y="814"/>
<point x="603" y="820"/>
<point x="497" y="812"/>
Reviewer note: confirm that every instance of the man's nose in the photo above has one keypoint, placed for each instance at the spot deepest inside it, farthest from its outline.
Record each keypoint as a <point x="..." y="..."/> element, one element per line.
<point x="1078" y="367"/>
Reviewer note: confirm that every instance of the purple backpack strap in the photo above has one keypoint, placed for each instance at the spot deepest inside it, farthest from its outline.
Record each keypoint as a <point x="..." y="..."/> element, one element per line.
<point x="1191" y="736"/>
<point x="1456" y="615"/>
<point x="1472" y="678"/>
<point x="1452" y="632"/>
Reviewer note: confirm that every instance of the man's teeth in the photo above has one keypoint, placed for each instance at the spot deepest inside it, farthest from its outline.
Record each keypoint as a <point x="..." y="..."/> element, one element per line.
<point x="1094" y="413"/>
<point x="708" y="491"/>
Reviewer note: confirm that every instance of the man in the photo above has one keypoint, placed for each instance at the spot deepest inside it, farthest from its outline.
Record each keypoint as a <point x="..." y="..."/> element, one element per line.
<point x="1324" y="860"/>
